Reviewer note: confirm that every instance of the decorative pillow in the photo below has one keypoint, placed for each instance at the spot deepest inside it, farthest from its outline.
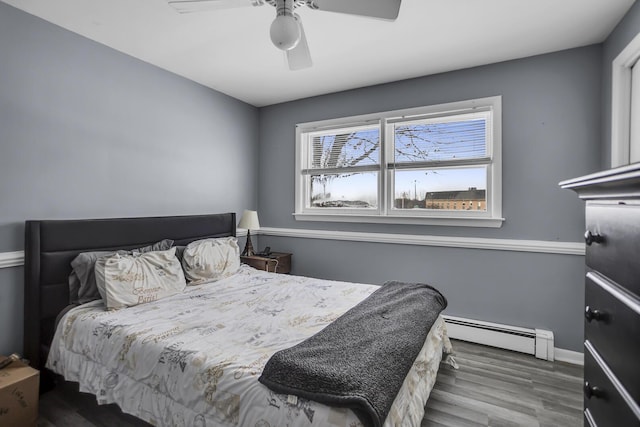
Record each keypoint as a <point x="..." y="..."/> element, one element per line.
<point x="82" y="281"/>
<point x="125" y="280"/>
<point x="210" y="260"/>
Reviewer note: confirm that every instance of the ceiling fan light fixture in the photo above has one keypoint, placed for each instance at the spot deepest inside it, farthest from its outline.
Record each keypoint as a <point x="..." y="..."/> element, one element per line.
<point x="285" y="32"/>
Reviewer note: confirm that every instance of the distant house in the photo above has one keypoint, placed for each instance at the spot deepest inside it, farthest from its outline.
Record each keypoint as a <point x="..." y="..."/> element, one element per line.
<point x="466" y="200"/>
<point x="470" y="199"/>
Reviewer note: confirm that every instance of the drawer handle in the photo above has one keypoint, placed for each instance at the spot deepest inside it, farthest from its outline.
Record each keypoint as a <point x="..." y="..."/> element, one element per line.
<point x="592" y="391"/>
<point x="590" y="238"/>
<point x="596" y="315"/>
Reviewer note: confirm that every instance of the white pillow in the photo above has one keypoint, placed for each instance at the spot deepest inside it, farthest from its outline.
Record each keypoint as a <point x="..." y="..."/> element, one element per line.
<point x="210" y="260"/>
<point x="125" y="280"/>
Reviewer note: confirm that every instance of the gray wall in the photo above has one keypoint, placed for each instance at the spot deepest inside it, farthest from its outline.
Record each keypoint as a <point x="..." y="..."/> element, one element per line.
<point x="86" y="131"/>
<point x="11" y="309"/>
<point x="551" y="131"/>
<point x="624" y="32"/>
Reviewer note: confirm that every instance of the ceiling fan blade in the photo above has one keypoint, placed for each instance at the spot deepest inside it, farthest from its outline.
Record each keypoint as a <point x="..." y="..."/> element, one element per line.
<point x="383" y="9"/>
<point x="299" y="57"/>
<point x="188" y="6"/>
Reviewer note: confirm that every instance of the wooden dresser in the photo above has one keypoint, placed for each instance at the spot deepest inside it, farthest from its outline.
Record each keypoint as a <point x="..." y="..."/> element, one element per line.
<point x="612" y="296"/>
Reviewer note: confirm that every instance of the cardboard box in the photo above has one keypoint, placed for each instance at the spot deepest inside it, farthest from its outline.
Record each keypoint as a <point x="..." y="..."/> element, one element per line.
<point x="18" y="395"/>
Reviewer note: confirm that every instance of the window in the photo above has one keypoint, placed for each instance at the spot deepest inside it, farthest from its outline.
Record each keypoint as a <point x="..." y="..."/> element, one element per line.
<point x="342" y="168"/>
<point x="625" y="105"/>
<point x="431" y="165"/>
<point x="634" y="115"/>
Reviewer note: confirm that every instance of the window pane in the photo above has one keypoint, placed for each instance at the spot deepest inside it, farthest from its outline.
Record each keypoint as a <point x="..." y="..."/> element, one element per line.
<point x="453" y="189"/>
<point x="345" y="148"/>
<point x="356" y="190"/>
<point x="451" y="140"/>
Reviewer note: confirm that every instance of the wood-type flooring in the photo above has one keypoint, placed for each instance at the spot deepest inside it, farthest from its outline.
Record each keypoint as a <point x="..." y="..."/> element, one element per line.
<point x="492" y="387"/>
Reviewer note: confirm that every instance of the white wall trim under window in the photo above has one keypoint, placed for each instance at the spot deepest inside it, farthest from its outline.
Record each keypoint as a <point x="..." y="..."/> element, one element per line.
<point x="11" y="259"/>
<point x="621" y="102"/>
<point x="16" y="259"/>
<point x="538" y="246"/>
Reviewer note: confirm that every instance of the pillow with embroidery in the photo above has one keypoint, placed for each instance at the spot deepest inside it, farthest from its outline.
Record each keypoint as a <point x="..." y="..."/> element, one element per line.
<point x="210" y="260"/>
<point x="82" y="282"/>
<point x="125" y="280"/>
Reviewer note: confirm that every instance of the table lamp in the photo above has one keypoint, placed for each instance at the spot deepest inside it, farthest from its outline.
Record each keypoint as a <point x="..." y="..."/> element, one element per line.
<point x="249" y="220"/>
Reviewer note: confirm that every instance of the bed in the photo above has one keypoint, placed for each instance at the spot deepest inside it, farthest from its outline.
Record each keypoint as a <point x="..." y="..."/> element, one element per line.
<point x="193" y="358"/>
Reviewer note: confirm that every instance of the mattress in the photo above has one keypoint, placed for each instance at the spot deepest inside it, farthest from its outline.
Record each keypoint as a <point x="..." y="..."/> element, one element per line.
<point x="194" y="359"/>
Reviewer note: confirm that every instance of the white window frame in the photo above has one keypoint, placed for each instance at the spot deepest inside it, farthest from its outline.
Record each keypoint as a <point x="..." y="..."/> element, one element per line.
<point x="621" y="102"/>
<point x="303" y="145"/>
<point x="385" y="213"/>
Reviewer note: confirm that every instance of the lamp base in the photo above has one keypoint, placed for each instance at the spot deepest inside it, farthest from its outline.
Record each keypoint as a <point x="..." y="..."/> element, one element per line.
<point x="248" y="247"/>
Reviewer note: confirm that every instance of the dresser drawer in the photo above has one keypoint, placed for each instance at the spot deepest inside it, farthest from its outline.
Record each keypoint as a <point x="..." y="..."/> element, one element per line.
<point x="606" y="402"/>
<point x="613" y="247"/>
<point x="612" y="325"/>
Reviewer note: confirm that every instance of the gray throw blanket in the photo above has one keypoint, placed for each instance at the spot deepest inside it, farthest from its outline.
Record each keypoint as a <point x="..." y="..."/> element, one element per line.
<point x="361" y="359"/>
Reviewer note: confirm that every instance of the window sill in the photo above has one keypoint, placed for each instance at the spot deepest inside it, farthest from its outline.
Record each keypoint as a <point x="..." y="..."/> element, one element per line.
<point x="442" y="221"/>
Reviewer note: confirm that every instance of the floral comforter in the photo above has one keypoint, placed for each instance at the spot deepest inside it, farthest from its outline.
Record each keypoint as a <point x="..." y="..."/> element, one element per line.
<point x="194" y="359"/>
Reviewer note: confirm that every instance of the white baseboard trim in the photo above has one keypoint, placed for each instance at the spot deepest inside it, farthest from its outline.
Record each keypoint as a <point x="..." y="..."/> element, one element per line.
<point x="540" y="246"/>
<point x="11" y="259"/>
<point x="569" y="356"/>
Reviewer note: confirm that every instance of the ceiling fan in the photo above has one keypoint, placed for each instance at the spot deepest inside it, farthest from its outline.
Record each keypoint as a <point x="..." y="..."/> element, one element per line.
<point x="286" y="30"/>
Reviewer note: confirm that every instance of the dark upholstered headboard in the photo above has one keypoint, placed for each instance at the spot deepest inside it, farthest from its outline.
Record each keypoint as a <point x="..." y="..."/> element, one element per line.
<point x="51" y="245"/>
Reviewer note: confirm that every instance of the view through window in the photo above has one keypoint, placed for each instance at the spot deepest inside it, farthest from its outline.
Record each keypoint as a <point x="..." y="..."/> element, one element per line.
<point x="425" y="163"/>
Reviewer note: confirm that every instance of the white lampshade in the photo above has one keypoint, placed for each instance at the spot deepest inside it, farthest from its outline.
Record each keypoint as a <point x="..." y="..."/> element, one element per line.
<point x="249" y="220"/>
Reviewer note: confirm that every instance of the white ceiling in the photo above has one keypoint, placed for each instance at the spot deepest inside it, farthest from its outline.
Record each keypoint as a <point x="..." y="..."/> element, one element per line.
<point x="230" y="50"/>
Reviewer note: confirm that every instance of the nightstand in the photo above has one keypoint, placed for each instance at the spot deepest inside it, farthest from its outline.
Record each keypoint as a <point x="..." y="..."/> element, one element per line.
<point x="277" y="262"/>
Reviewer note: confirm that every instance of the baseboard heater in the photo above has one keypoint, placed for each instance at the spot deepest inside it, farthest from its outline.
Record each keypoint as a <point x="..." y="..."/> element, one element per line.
<point x="538" y="342"/>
